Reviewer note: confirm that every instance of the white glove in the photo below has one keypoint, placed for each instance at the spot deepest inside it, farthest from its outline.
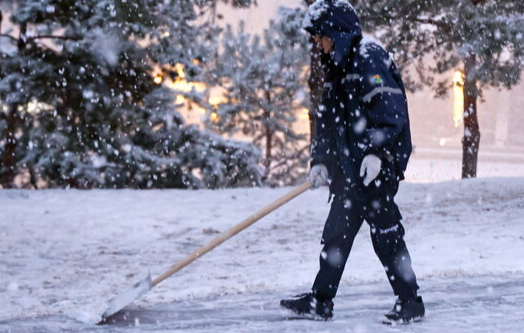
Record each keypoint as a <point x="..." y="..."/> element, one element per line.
<point x="318" y="175"/>
<point x="370" y="168"/>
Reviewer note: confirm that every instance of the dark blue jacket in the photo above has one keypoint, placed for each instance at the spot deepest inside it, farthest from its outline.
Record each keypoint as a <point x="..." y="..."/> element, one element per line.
<point x="364" y="107"/>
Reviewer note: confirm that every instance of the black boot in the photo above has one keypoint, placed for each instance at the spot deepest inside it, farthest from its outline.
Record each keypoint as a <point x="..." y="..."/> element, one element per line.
<point x="407" y="310"/>
<point x="309" y="304"/>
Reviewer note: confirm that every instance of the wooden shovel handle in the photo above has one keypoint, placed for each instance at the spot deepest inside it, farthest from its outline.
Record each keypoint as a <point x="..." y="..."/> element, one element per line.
<point x="233" y="231"/>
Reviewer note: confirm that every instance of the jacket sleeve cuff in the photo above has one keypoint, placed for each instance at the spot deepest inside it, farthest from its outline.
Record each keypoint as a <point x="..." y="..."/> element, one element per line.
<point x="319" y="160"/>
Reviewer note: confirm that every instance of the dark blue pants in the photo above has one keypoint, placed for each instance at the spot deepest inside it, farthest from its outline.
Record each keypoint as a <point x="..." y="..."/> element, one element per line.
<point x="349" y="209"/>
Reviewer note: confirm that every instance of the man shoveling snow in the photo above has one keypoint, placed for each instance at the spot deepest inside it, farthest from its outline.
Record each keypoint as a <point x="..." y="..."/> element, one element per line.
<point x="362" y="130"/>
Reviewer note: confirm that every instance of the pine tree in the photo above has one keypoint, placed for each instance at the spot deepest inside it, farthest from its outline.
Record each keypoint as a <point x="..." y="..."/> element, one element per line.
<point x="484" y="37"/>
<point x="263" y="79"/>
<point x="80" y="105"/>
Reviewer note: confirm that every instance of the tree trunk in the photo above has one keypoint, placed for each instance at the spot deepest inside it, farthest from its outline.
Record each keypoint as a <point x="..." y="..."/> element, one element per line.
<point x="7" y="171"/>
<point x="269" y="137"/>
<point x="471" y="139"/>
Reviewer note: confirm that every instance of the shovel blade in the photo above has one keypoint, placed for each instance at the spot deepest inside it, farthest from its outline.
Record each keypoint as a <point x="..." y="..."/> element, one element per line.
<point x="121" y="301"/>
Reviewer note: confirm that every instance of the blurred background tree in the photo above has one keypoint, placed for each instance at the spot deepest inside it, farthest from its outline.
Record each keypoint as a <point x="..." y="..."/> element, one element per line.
<point x="263" y="80"/>
<point x="82" y="104"/>
<point x="482" y="38"/>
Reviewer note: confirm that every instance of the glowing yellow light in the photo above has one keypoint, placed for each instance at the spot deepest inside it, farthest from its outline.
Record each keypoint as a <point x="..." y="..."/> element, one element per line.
<point x="214" y="117"/>
<point x="158" y="79"/>
<point x="458" y="96"/>
<point x="458" y="77"/>
<point x="179" y="68"/>
<point x="304" y="113"/>
<point x="181" y="84"/>
<point x="180" y="99"/>
<point x="195" y="61"/>
<point x="217" y="100"/>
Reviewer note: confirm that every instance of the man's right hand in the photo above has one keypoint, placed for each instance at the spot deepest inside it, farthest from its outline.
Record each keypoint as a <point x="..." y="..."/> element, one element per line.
<point x="318" y="175"/>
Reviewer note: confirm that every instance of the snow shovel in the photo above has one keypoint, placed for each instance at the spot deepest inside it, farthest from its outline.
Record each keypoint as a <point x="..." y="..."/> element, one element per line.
<point x="142" y="287"/>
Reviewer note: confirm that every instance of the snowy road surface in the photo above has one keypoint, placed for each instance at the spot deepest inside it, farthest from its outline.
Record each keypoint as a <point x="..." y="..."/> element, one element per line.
<point x="466" y="304"/>
<point x="65" y="254"/>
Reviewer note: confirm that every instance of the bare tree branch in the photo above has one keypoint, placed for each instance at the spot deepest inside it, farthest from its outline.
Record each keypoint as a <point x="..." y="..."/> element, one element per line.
<point x="9" y="36"/>
<point x="55" y="37"/>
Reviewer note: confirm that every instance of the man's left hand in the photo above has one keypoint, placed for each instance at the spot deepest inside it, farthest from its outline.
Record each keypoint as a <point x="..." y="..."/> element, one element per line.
<point x="370" y="168"/>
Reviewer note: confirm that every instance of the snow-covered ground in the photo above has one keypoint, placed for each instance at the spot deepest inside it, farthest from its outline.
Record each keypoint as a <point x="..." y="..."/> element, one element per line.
<point x="65" y="254"/>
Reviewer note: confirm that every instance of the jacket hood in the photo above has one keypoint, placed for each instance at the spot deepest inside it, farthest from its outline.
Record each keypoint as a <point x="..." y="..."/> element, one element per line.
<point x="337" y="20"/>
